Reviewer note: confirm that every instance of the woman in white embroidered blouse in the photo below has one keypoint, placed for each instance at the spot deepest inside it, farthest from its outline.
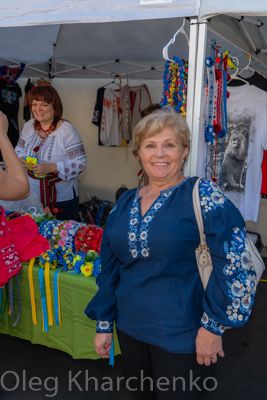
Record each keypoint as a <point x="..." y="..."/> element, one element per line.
<point x="58" y="147"/>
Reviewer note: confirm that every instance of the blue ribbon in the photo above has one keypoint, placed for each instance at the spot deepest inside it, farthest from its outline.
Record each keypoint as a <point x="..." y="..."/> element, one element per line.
<point x="56" y="296"/>
<point x="111" y="354"/>
<point x="43" y="298"/>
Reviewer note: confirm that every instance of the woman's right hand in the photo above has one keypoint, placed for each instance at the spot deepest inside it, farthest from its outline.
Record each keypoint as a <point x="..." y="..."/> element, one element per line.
<point x="24" y="163"/>
<point x="102" y="344"/>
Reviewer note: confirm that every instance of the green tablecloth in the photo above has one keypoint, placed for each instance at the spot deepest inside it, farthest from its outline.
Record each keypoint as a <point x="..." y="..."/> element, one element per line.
<point x="76" y="334"/>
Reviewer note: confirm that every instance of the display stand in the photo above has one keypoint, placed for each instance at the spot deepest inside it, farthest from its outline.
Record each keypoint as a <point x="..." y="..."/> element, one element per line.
<point x="76" y="335"/>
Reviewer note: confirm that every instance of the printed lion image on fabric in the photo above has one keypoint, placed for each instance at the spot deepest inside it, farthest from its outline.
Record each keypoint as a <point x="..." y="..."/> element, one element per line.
<point x="234" y="165"/>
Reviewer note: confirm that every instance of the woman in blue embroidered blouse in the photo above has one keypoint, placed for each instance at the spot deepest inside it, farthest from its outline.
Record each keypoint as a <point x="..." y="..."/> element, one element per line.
<point x="169" y="329"/>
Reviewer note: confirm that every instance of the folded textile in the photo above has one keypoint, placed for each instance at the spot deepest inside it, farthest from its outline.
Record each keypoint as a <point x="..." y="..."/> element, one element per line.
<point x="28" y="241"/>
<point x="9" y="259"/>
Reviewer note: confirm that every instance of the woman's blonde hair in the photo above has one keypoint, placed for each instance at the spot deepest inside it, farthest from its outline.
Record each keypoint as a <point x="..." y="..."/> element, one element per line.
<point x="154" y="123"/>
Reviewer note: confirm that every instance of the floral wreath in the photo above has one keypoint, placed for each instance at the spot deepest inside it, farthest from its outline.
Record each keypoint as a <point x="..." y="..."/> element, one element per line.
<point x="86" y="264"/>
<point x="32" y="160"/>
<point x="88" y="238"/>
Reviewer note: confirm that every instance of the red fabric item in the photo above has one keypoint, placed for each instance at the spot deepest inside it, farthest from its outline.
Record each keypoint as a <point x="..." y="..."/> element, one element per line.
<point x="264" y="173"/>
<point x="48" y="190"/>
<point x="26" y="238"/>
<point x="9" y="260"/>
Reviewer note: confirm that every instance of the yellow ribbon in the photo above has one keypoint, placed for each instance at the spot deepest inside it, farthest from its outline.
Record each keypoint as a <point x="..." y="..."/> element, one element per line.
<point x="48" y="295"/>
<point x="32" y="296"/>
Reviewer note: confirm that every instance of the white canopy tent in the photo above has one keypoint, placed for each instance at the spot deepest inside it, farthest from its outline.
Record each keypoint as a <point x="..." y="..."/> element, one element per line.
<point x="92" y="39"/>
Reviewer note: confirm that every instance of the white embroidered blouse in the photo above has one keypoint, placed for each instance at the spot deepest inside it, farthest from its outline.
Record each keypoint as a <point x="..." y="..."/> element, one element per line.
<point x="63" y="147"/>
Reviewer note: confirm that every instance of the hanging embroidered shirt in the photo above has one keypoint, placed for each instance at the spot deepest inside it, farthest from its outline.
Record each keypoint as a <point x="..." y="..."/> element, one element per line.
<point x="98" y="110"/>
<point x="236" y="162"/>
<point x="133" y="101"/>
<point x="9" y="105"/>
<point x="26" y="110"/>
<point x="257" y="80"/>
<point x="110" y="134"/>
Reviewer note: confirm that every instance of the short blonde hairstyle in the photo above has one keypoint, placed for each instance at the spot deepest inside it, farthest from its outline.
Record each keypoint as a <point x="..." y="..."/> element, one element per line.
<point x="154" y="123"/>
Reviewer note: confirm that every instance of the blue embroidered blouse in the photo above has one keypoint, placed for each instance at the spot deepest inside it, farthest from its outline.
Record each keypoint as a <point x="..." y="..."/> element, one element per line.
<point x="149" y="283"/>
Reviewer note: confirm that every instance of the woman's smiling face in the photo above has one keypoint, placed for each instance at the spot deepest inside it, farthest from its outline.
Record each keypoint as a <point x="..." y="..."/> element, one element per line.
<point x="162" y="156"/>
<point x="43" y="112"/>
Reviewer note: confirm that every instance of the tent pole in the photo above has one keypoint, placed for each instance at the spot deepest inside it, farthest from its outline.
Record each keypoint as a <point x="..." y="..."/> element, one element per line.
<point x="17" y="64"/>
<point x="36" y="69"/>
<point x="191" y="79"/>
<point x="198" y="97"/>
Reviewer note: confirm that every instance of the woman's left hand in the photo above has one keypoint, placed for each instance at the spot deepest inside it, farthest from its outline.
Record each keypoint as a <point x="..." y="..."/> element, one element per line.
<point x="44" y="168"/>
<point x="208" y="347"/>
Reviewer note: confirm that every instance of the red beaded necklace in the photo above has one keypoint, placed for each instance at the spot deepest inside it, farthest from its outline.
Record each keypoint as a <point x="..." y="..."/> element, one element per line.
<point x="43" y="133"/>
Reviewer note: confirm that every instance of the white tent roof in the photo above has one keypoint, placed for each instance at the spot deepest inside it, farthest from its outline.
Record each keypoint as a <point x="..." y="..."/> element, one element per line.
<point x="34" y="12"/>
<point x="100" y="38"/>
<point x="87" y="38"/>
<point x="210" y="8"/>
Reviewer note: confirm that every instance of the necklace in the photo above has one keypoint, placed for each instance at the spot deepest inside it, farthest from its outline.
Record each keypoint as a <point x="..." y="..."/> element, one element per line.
<point x="159" y="190"/>
<point x="149" y="194"/>
<point x="43" y="133"/>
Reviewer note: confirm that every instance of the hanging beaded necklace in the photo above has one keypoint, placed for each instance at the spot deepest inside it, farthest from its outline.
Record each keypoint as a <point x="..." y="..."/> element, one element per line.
<point x="216" y="111"/>
<point x="43" y="134"/>
<point x="175" y="85"/>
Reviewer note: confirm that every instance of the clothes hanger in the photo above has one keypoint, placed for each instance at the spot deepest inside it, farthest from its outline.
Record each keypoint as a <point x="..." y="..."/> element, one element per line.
<point x="166" y="48"/>
<point x="235" y="75"/>
<point x="114" y="81"/>
<point x="247" y="67"/>
<point x="9" y="77"/>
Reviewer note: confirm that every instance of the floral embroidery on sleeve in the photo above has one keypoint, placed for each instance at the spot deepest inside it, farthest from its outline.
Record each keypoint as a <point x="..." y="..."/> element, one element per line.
<point x="211" y="196"/>
<point x="240" y="276"/>
<point x="242" y="288"/>
<point x="211" y="325"/>
<point x="104" y="326"/>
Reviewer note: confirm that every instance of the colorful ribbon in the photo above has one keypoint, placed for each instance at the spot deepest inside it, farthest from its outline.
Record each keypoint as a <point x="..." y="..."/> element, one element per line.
<point x="111" y="354"/>
<point x="32" y="295"/>
<point x="57" y="297"/>
<point x="48" y="294"/>
<point x="43" y="299"/>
